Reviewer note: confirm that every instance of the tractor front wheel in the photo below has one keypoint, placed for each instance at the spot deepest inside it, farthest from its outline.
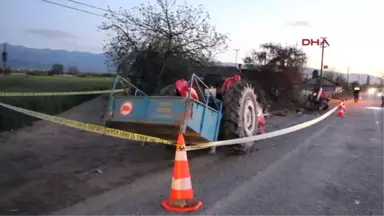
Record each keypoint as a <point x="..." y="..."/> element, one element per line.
<point x="240" y="115"/>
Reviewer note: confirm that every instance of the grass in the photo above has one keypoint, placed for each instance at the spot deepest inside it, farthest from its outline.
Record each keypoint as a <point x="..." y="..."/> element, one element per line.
<point x="25" y="83"/>
<point x="49" y="104"/>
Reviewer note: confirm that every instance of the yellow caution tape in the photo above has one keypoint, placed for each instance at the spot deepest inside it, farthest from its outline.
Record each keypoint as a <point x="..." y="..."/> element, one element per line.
<point x="89" y="127"/>
<point x="18" y="94"/>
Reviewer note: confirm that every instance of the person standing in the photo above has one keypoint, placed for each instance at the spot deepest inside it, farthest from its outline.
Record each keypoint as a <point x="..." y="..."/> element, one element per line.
<point x="382" y="96"/>
<point x="356" y="93"/>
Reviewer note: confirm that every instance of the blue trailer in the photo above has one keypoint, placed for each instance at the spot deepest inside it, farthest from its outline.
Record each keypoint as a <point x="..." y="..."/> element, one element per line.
<point x="201" y="117"/>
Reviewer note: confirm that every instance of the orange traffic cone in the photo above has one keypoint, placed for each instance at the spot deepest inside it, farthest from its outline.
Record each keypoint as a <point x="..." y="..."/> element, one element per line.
<point x="181" y="197"/>
<point x="341" y="110"/>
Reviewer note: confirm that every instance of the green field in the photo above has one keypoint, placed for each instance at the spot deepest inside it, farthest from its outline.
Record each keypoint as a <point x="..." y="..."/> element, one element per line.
<point x="25" y="83"/>
<point x="45" y="104"/>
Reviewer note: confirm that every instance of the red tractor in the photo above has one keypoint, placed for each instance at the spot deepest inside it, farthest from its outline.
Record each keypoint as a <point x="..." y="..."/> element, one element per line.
<point x="242" y="115"/>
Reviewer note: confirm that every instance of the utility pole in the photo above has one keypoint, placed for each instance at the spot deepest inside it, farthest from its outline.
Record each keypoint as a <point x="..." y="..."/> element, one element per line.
<point x="348" y="76"/>
<point x="359" y="79"/>
<point x="236" y="50"/>
<point x="4" y="57"/>
<point x="322" y="61"/>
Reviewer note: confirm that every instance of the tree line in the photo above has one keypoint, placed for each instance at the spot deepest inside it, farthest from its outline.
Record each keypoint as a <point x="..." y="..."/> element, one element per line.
<point x="155" y="44"/>
<point x="59" y="69"/>
<point x="276" y="56"/>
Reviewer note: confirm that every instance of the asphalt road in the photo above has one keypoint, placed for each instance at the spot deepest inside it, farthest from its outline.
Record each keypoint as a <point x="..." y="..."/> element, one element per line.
<point x="333" y="167"/>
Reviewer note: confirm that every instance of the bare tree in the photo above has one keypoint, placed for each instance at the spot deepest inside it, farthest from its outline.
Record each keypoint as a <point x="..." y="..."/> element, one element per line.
<point x="4" y="57"/>
<point x="256" y="58"/>
<point x="161" y="31"/>
<point x="276" y="55"/>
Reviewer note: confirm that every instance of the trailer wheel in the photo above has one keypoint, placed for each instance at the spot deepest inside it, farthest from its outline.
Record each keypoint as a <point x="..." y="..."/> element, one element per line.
<point x="239" y="115"/>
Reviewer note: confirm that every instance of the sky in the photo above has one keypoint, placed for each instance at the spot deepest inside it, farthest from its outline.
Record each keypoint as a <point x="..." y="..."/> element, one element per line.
<point x="352" y="27"/>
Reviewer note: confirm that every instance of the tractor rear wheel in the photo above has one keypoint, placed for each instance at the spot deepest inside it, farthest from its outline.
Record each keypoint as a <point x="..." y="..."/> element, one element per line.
<point x="240" y="115"/>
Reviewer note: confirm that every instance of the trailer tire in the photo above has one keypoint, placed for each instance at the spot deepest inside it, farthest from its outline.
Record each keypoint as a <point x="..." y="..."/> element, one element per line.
<point x="239" y="115"/>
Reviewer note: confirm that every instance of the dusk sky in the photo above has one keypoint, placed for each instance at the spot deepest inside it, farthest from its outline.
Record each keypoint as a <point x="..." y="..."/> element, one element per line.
<point x="354" y="28"/>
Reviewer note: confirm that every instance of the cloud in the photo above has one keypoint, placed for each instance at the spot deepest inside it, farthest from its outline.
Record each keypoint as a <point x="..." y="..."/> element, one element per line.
<point x="299" y="24"/>
<point x="51" y="33"/>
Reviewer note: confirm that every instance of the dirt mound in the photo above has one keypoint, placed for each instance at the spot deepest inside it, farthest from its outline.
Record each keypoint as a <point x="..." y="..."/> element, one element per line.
<point x="47" y="166"/>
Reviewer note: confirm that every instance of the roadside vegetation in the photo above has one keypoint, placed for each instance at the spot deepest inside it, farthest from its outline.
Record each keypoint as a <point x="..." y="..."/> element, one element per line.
<point x="46" y="104"/>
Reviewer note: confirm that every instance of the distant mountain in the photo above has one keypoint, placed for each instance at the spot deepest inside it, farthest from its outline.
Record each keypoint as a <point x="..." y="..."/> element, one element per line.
<point x="20" y="57"/>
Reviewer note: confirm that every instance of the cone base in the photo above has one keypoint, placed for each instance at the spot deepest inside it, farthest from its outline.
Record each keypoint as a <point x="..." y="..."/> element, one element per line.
<point x="175" y="208"/>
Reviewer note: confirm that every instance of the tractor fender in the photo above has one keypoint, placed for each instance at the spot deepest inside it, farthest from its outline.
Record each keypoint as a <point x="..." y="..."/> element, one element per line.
<point x="229" y="81"/>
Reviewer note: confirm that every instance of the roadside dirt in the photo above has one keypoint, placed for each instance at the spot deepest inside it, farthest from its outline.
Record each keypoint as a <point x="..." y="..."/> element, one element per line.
<point x="47" y="167"/>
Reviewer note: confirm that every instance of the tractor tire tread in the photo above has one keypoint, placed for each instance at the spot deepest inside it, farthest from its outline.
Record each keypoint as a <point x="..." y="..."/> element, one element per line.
<point x="233" y="102"/>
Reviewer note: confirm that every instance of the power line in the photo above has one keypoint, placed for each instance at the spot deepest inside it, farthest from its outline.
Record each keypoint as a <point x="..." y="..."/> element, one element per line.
<point x="88" y="5"/>
<point x="94" y="7"/>
<point x="73" y="8"/>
